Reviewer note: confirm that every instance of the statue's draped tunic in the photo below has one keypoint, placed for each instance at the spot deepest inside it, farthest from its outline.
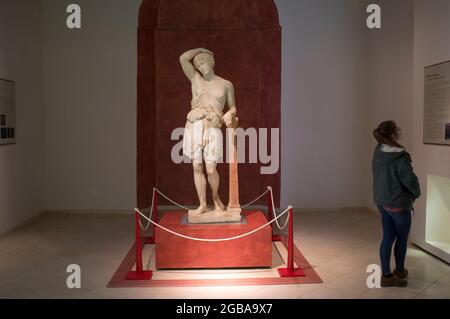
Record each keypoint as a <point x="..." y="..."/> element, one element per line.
<point x="203" y="132"/>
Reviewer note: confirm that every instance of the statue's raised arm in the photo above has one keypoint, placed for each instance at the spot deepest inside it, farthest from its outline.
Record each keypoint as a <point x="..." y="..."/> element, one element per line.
<point x="186" y="64"/>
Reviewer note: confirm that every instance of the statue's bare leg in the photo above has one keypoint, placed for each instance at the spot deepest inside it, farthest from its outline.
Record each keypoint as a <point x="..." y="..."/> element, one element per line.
<point x="214" y="181"/>
<point x="200" y="185"/>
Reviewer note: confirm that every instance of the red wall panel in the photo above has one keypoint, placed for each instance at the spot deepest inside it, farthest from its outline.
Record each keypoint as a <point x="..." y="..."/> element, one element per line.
<point x="246" y="39"/>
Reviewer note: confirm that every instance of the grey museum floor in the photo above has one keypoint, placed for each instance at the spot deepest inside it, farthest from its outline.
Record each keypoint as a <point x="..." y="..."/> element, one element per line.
<point x="339" y="245"/>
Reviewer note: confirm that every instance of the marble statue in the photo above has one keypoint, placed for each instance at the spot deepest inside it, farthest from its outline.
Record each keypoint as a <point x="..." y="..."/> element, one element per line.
<point x="203" y="140"/>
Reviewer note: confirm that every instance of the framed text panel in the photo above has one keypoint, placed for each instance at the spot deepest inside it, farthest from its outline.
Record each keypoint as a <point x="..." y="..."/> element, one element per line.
<point x="7" y="112"/>
<point x="436" y="118"/>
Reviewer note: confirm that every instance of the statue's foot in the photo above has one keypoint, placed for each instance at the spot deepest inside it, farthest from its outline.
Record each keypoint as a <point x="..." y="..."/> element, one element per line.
<point x="201" y="210"/>
<point x="218" y="205"/>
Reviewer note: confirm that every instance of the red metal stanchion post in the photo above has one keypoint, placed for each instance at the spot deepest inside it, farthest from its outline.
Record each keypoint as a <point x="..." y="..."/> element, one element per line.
<point x="291" y="271"/>
<point x="269" y="207"/>
<point x="152" y="240"/>
<point x="155" y="210"/>
<point x="139" y="274"/>
<point x="270" y="214"/>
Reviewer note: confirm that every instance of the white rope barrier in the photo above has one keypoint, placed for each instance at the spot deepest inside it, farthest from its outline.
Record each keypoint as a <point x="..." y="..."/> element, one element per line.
<point x="255" y="200"/>
<point x="185" y="208"/>
<point x="214" y="240"/>
<point x="269" y="189"/>
<point x="151" y="214"/>
<point x="173" y="202"/>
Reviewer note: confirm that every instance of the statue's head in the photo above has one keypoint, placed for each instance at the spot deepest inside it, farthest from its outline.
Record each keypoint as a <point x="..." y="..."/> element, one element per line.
<point x="204" y="62"/>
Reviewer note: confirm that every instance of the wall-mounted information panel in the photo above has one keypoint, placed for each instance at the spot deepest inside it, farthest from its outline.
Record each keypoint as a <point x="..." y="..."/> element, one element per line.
<point x="7" y="112"/>
<point x="436" y="119"/>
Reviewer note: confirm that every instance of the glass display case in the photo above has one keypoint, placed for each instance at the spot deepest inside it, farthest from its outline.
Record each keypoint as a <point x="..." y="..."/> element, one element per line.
<point x="438" y="213"/>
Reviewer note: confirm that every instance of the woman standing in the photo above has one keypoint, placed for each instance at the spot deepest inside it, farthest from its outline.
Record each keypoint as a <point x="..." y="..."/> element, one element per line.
<point x="395" y="188"/>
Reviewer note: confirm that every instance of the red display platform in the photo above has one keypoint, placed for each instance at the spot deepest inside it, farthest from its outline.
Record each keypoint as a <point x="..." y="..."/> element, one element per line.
<point x="174" y="252"/>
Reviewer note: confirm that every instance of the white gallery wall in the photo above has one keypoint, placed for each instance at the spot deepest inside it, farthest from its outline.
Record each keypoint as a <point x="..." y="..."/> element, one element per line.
<point x="21" y="165"/>
<point x="76" y="101"/>
<point x="431" y="46"/>
<point x="90" y="106"/>
<point x="324" y="99"/>
<point x="390" y="79"/>
<point x="90" y="98"/>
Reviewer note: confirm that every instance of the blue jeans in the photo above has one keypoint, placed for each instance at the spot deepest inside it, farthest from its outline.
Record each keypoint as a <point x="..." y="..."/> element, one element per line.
<point x="396" y="227"/>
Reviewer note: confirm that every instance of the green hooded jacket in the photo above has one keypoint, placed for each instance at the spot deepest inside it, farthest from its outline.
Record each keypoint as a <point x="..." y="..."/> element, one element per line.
<point x="394" y="182"/>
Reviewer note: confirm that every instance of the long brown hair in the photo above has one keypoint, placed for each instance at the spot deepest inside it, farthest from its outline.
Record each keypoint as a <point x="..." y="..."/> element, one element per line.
<point x="388" y="133"/>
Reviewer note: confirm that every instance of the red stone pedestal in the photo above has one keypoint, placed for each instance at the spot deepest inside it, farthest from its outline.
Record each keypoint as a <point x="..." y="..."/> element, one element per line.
<point x="174" y="252"/>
